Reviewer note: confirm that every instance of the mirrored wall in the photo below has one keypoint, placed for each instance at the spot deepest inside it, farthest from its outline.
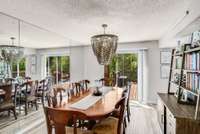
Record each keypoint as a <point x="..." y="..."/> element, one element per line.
<point x="29" y="37"/>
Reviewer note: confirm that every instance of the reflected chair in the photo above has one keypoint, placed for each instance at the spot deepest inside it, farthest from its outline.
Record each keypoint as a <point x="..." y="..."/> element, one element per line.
<point x="40" y="90"/>
<point x="29" y="95"/>
<point x="7" y="104"/>
<point x="112" y="125"/>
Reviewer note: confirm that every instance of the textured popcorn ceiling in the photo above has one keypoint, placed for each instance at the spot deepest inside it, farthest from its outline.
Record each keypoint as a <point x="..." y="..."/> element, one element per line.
<point x="132" y="20"/>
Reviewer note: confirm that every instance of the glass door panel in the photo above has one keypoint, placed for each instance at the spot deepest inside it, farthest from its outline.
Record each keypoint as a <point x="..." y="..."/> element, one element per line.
<point x="58" y="68"/>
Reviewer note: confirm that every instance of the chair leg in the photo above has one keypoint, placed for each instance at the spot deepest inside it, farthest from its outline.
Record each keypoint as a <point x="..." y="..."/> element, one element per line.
<point x="36" y="106"/>
<point x="128" y="113"/>
<point x="125" y="123"/>
<point x="14" y="113"/>
<point x="8" y="112"/>
<point x="26" y="108"/>
<point x="124" y="129"/>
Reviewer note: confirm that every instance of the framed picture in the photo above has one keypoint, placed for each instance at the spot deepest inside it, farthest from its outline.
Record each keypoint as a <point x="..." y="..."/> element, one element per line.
<point x="165" y="56"/>
<point x="164" y="71"/>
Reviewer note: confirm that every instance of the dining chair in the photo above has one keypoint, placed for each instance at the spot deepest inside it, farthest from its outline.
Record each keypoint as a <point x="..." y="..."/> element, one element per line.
<point x="40" y="90"/>
<point x="58" y="93"/>
<point x="125" y="94"/>
<point x="102" y="81"/>
<point x="112" y="125"/>
<point x="128" y="112"/>
<point x="71" y="91"/>
<point x="7" y="104"/>
<point x="27" y="78"/>
<point x="29" y="95"/>
<point x="85" y="84"/>
<point x="63" y="122"/>
<point x="57" y="119"/>
<point x="78" y="87"/>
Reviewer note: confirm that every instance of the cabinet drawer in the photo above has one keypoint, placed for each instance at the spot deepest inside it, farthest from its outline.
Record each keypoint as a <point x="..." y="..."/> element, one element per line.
<point x="171" y="123"/>
<point x="160" y="114"/>
<point x="171" y="129"/>
<point x="170" y="117"/>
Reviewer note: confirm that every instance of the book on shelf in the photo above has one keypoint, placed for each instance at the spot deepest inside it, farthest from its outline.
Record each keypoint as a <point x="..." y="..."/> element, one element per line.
<point x="193" y="82"/>
<point x="192" y="61"/>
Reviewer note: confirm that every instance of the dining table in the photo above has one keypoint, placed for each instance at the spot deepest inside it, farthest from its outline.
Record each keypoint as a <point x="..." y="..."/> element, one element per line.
<point x="94" y="107"/>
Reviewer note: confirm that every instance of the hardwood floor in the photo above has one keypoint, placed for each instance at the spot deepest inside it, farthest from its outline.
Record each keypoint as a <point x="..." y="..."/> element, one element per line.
<point x="143" y="121"/>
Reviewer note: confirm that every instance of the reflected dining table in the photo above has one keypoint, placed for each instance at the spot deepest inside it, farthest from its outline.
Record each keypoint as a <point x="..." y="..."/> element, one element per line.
<point x="102" y="108"/>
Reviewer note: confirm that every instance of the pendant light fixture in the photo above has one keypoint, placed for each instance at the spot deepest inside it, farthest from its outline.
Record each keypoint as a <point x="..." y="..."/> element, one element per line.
<point x="104" y="46"/>
<point x="12" y="53"/>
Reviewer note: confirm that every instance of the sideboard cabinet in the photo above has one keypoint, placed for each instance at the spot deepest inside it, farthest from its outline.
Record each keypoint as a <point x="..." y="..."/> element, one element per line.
<point x="176" y="118"/>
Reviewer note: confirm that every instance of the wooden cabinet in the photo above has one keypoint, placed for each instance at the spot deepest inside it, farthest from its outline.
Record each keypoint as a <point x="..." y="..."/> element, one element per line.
<point x="176" y="118"/>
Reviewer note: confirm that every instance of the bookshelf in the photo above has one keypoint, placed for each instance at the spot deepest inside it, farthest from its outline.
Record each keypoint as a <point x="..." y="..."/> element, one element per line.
<point x="188" y="83"/>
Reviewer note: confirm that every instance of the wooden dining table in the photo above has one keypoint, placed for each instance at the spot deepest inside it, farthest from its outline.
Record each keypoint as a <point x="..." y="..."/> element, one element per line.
<point x="101" y="109"/>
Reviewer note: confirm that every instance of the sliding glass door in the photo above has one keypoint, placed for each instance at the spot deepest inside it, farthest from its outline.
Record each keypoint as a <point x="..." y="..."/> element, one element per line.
<point x="58" y="67"/>
<point x="123" y="69"/>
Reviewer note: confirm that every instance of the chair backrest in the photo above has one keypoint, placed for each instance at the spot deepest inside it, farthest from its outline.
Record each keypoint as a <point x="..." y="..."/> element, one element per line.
<point x="30" y="89"/>
<point x="58" y="119"/>
<point x="120" y="106"/>
<point x="51" y="100"/>
<point x="78" y="87"/>
<point x="102" y="80"/>
<point x="42" y="84"/>
<point x="86" y="82"/>
<point x="8" y="91"/>
<point x="27" y="78"/>
<point x="57" y="92"/>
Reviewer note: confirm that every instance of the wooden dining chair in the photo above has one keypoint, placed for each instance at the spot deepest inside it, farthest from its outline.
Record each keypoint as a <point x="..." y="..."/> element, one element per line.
<point x="40" y="91"/>
<point x="71" y="91"/>
<point x="57" y="119"/>
<point x="102" y="80"/>
<point x="63" y="122"/>
<point x="125" y="94"/>
<point x="85" y="84"/>
<point x="112" y="125"/>
<point x="78" y="87"/>
<point x="128" y="112"/>
<point x="29" y="96"/>
<point x="7" y="104"/>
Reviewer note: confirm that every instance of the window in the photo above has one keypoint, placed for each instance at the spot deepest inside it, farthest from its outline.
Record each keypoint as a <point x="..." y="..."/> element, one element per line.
<point x="22" y="68"/>
<point x="58" y="67"/>
<point x="4" y="69"/>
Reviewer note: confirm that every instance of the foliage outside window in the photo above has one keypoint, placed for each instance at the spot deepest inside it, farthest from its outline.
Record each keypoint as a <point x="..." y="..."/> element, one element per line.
<point x="22" y="68"/>
<point x="125" y="65"/>
<point x="58" y="67"/>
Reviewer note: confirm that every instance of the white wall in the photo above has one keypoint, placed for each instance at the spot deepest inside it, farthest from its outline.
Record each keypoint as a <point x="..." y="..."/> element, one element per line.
<point x="92" y="70"/>
<point x="76" y="63"/>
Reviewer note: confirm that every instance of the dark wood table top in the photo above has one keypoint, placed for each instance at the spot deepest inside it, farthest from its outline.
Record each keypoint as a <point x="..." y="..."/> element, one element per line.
<point x="101" y="108"/>
<point x="178" y="110"/>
